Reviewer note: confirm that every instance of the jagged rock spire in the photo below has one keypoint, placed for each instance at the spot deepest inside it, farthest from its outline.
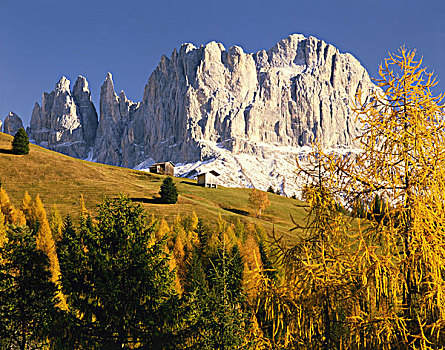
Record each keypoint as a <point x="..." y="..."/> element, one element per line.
<point x="12" y="124"/>
<point x="67" y="121"/>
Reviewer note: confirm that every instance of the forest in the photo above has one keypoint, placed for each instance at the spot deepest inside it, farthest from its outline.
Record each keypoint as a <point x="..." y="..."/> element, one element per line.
<point x="365" y="270"/>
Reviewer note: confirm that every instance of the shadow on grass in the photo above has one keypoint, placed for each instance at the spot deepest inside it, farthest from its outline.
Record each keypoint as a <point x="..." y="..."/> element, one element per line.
<point x="190" y="183"/>
<point x="7" y="151"/>
<point x="149" y="177"/>
<point x="156" y="200"/>
<point x="237" y="211"/>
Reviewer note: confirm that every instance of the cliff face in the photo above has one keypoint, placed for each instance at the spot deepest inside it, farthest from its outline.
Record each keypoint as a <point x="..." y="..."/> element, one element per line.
<point x="298" y="91"/>
<point x="67" y="121"/>
<point x="202" y="99"/>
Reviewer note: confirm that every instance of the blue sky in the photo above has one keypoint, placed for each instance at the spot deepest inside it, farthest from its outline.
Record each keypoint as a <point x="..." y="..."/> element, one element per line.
<point x="42" y="40"/>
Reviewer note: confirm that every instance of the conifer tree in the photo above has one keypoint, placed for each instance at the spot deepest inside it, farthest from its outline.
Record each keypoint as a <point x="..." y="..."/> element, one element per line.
<point x="125" y="297"/>
<point x="168" y="192"/>
<point x="311" y="309"/>
<point x="27" y="209"/>
<point x="27" y="295"/>
<point x="55" y="223"/>
<point x="20" y="143"/>
<point x="12" y="215"/>
<point x="402" y="163"/>
<point x="215" y="295"/>
<point x="2" y="230"/>
<point x="83" y="209"/>
<point x="44" y="237"/>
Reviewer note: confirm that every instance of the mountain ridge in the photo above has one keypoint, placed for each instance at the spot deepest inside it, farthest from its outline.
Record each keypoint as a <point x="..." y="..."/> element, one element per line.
<point x="202" y="99"/>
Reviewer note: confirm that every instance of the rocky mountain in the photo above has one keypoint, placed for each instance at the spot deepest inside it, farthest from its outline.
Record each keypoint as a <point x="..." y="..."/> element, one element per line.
<point x="208" y="103"/>
<point x="12" y="124"/>
<point x="115" y="114"/>
<point x="67" y="120"/>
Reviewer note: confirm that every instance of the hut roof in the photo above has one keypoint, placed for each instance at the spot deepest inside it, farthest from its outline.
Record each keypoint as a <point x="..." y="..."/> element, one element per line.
<point x="161" y="163"/>
<point x="213" y="172"/>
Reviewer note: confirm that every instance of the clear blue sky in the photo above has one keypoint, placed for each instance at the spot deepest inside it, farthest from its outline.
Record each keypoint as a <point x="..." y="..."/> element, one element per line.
<point x="41" y="40"/>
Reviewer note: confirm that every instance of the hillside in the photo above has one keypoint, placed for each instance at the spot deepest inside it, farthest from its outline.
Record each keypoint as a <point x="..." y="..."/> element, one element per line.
<point x="60" y="179"/>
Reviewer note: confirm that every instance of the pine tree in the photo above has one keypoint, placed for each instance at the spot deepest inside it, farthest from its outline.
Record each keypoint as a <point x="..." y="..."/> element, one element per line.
<point x="214" y="293"/>
<point x="27" y="295"/>
<point x="168" y="192"/>
<point x="125" y="296"/>
<point x="271" y="190"/>
<point x="20" y="143"/>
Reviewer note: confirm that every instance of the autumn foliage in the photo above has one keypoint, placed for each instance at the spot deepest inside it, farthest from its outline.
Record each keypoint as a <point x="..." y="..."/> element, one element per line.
<point x="365" y="269"/>
<point x="258" y="201"/>
<point x="374" y="280"/>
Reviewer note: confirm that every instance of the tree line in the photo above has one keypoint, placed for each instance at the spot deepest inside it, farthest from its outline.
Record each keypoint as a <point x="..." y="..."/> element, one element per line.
<point x="124" y="280"/>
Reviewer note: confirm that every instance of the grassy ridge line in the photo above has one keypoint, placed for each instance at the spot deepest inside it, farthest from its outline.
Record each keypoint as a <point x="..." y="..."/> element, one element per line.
<point x="60" y="179"/>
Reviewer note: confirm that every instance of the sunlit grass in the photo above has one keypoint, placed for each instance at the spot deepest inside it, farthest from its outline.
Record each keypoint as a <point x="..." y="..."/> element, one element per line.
<point x="60" y="180"/>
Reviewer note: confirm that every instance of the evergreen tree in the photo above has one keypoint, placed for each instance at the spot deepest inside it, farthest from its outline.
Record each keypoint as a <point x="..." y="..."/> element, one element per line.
<point x="125" y="295"/>
<point x="267" y="262"/>
<point x="215" y="297"/>
<point x="27" y="295"/>
<point x="20" y="143"/>
<point x="271" y="190"/>
<point x="168" y="192"/>
<point x="203" y="236"/>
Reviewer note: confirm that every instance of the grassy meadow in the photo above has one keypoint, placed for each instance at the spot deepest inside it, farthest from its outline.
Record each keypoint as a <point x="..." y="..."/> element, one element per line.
<point x="60" y="180"/>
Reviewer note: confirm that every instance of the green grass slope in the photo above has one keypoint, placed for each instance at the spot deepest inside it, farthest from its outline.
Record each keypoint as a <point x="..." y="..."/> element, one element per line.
<point x="60" y="179"/>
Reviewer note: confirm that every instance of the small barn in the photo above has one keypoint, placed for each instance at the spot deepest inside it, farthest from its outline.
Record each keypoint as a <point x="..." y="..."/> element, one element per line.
<point x="166" y="168"/>
<point x="209" y="179"/>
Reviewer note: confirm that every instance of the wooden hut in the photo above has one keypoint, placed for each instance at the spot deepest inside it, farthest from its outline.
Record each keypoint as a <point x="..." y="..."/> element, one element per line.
<point x="166" y="168"/>
<point x="209" y="179"/>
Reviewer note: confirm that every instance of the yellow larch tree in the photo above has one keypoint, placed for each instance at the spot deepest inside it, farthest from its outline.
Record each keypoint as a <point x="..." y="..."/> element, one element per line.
<point x="2" y="230"/>
<point x="55" y="223"/>
<point x="377" y="282"/>
<point x="311" y="309"/>
<point x="46" y="243"/>
<point x="83" y="209"/>
<point x="12" y="214"/>
<point x="403" y="162"/>
<point x="44" y="237"/>
<point x="27" y="209"/>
